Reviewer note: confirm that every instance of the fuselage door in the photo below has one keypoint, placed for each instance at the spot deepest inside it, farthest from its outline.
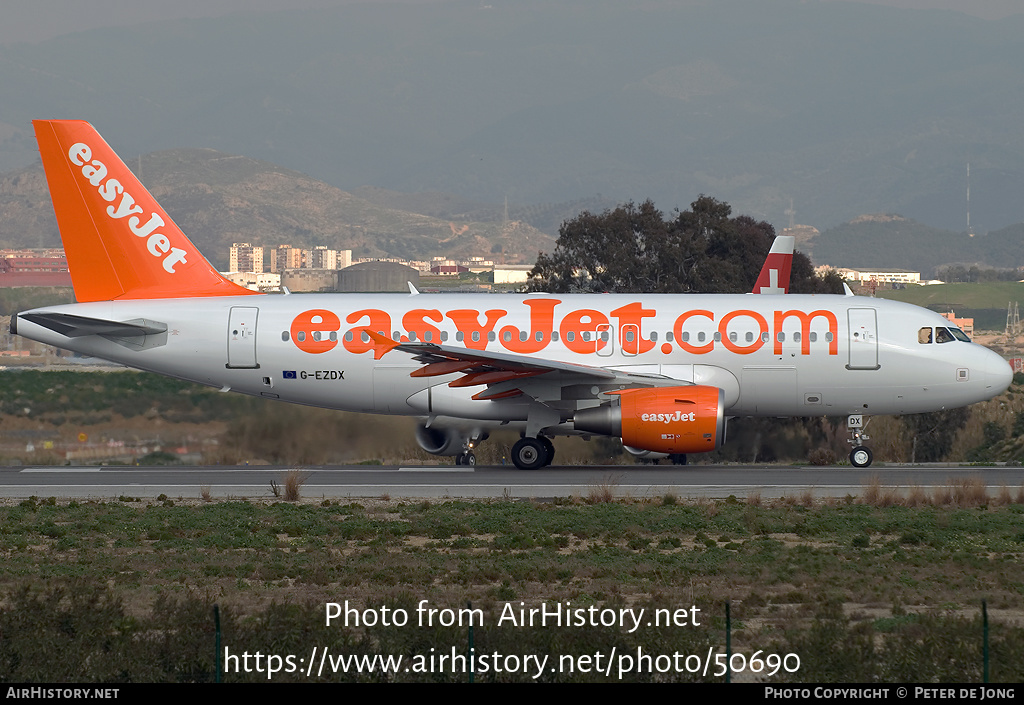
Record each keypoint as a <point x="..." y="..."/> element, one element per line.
<point x="863" y="329"/>
<point x="242" y="337"/>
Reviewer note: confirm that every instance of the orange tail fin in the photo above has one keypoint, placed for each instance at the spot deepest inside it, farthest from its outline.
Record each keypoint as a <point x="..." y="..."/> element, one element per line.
<point x="119" y="242"/>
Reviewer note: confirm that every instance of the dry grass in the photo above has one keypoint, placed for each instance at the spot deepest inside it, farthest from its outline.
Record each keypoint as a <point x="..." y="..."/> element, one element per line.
<point x="1003" y="497"/>
<point x="293" y="481"/>
<point x="600" y="494"/>
<point x="916" y="497"/>
<point x="969" y="492"/>
<point x="204" y="493"/>
<point x="754" y="499"/>
<point x="877" y="496"/>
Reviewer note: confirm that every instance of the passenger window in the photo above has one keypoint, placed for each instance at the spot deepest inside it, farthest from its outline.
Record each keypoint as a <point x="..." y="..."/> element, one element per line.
<point x="943" y="336"/>
<point x="813" y="337"/>
<point x="924" y="336"/>
<point x="654" y="337"/>
<point x="750" y="337"/>
<point x="460" y="336"/>
<point x="507" y="336"/>
<point x="284" y="336"/>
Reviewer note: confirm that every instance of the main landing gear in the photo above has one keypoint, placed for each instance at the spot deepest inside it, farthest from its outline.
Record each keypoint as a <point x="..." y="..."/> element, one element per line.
<point x="860" y="456"/>
<point x="466" y="458"/>
<point x="533" y="453"/>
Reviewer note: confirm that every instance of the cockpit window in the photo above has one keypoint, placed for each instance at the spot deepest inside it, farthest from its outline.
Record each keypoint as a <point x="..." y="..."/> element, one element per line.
<point x="924" y="336"/>
<point x="959" y="335"/>
<point x="942" y="335"/>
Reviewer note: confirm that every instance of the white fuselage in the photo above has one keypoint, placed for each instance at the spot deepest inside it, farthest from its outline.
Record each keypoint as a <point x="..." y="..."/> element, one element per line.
<point x="788" y="355"/>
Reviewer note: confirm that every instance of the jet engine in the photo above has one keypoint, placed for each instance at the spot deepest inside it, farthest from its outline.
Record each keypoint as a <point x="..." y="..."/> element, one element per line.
<point x="448" y="440"/>
<point x="661" y="419"/>
<point x="644" y="454"/>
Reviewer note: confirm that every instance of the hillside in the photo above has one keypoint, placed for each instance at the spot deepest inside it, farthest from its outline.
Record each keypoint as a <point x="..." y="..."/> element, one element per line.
<point x="895" y="242"/>
<point x="838" y="107"/>
<point x="985" y="303"/>
<point x="218" y="199"/>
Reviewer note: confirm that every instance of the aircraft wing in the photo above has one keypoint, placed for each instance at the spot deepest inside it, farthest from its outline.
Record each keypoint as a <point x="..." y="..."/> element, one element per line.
<point x="503" y="372"/>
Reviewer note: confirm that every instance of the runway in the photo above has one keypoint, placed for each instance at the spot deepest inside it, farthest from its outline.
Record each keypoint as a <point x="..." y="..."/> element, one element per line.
<point x="339" y="482"/>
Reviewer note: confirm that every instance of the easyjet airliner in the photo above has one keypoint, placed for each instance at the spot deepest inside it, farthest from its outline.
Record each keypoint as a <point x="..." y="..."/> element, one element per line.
<point x="661" y="372"/>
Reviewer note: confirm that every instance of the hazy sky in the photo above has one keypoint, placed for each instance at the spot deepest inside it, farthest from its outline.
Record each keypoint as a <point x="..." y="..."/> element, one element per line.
<point x="35" y="20"/>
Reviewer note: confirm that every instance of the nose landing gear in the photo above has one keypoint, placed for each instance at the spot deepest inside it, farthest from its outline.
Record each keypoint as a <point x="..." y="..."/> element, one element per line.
<point x="860" y="456"/>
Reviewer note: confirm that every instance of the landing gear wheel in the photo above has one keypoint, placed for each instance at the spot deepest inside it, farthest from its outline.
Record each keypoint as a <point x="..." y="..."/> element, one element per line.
<point x="677" y="458"/>
<point x="860" y="457"/>
<point x="467" y="458"/>
<point x="549" y="449"/>
<point x="528" y="454"/>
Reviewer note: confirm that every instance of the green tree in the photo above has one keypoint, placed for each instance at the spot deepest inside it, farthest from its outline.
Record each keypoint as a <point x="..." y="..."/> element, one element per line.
<point x="633" y="248"/>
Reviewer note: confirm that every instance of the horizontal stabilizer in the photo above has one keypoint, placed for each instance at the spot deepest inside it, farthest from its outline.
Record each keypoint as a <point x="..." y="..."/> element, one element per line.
<point x="78" y="326"/>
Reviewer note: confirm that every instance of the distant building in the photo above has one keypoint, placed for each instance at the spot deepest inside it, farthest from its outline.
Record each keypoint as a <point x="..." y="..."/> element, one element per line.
<point x="512" y="273"/>
<point x="257" y="281"/>
<point x="964" y="324"/>
<point x="377" y="276"/>
<point x="310" y="279"/>
<point x="243" y="257"/>
<point x="447" y="268"/>
<point x="321" y="257"/>
<point x="285" y="257"/>
<point x="891" y="276"/>
<point x="33" y="268"/>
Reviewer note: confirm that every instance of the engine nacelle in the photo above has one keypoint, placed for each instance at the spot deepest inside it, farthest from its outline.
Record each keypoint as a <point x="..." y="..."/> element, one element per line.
<point x="645" y="454"/>
<point x="448" y="440"/>
<point x="661" y="419"/>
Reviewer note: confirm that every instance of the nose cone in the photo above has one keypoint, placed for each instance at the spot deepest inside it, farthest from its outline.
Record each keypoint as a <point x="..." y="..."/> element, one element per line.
<point x="998" y="374"/>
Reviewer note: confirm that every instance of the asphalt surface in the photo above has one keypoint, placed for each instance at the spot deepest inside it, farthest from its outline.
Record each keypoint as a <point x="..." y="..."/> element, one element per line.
<point x="692" y="481"/>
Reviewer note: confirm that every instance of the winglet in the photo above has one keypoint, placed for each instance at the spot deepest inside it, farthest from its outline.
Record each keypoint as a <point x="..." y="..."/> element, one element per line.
<point x="119" y="242"/>
<point x="774" y="277"/>
<point x="381" y="344"/>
